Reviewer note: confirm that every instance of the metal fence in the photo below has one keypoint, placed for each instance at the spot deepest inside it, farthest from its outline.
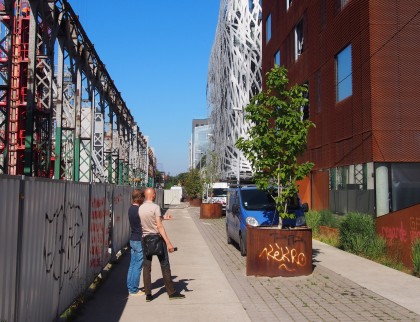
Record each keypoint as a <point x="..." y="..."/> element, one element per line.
<point x="55" y="237"/>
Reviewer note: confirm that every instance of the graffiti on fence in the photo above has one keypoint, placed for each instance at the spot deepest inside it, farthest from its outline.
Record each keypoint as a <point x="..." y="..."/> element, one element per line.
<point x="63" y="241"/>
<point x="118" y="200"/>
<point x="400" y="233"/>
<point x="97" y="233"/>
<point x="414" y="228"/>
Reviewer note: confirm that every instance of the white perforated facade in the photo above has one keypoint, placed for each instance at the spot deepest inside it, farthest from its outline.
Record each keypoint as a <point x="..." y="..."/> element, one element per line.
<point x="234" y="76"/>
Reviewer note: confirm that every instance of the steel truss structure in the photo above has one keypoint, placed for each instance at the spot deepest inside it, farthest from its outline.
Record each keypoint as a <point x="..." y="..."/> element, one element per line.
<point x="61" y="115"/>
<point x="234" y="76"/>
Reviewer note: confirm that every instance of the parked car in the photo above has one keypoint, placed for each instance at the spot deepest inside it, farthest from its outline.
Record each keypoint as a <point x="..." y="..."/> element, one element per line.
<point x="246" y="205"/>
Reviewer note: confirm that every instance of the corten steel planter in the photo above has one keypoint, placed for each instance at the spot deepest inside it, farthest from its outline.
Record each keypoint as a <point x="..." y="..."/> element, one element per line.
<point x="196" y="202"/>
<point x="210" y="210"/>
<point x="329" y="231"/>
<point x="272" y="251"/>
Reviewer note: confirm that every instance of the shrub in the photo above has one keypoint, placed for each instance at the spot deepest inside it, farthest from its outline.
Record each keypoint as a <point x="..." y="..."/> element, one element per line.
<point x="194" y="185"/>
<point x="332" y="240"/>
<point x="313" y="220"/>
<point x="376" y="248"/>
<point x="357" y="232"/>
<point x="329" y="219"/>
<point x="415" y="254"/>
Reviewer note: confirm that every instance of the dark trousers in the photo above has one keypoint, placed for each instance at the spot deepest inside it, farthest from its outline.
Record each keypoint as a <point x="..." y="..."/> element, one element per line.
<point x="166" y="273"/>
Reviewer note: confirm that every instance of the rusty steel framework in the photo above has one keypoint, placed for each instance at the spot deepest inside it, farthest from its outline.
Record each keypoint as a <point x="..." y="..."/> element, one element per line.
<point x="61" y="115"/>
<point x="234" y="76"/>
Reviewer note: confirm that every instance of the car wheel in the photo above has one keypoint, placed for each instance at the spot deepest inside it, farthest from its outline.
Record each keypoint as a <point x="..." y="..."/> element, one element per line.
<point x="242" y="245"/>
<point x="228" y="239"/>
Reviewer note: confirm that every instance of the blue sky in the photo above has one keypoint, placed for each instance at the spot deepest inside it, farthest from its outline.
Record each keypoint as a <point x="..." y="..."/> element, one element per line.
<point x="157" y="53"/>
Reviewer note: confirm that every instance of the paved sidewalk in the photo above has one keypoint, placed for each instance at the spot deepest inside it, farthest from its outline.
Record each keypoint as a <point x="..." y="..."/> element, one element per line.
<point x="342" y="287"/>
<point x="211" y="274"/>
<point x="209" y="297"/>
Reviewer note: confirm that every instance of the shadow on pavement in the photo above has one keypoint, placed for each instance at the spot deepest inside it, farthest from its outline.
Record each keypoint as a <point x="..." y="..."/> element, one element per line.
<point x="108" y="304"/>
<point x="181" y="285"/>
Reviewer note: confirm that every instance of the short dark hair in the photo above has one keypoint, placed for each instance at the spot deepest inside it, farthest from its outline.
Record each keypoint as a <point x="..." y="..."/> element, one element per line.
<point x="137" y="196"/>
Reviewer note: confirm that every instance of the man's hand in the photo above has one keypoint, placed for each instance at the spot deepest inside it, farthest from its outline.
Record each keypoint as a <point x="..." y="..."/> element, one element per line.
<point x="170" y="248"/>
<point x="167" y="216"/>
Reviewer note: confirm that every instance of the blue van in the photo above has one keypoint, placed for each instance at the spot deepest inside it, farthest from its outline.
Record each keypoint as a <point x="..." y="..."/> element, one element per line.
<point x="246" y="205"/>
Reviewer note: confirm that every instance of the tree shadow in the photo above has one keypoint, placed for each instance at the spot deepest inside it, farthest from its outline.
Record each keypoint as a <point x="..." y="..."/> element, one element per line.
<point x="315" y="253"/>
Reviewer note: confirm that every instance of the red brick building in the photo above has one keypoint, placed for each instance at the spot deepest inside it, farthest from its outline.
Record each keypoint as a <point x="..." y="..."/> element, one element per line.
<point x="361" y="60"/>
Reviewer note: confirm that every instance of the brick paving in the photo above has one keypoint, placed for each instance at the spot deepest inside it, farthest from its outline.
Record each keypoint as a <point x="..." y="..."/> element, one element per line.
<point x="321" y="296"/>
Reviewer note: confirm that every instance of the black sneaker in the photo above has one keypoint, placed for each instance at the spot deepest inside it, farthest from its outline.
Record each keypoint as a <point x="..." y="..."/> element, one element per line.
<point x="176" y="296"/>
<point x="149" y="297"/>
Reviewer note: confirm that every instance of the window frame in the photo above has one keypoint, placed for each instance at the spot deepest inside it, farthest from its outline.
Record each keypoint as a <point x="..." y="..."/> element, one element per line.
<point x="268" y="28"/>
<point x="341" y="81"/>
<point x="299" y="39"/>
<point x="277" y="54"/>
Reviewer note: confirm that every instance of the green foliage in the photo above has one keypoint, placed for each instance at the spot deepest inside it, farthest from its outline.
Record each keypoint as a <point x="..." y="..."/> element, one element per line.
<point x="376" y="248"/>
<point x="277" y="137"/>
<point x="358" y="236"/>
<point x="329" y="219"/>
<point x="175" y="180"/>
<point x="313" y="220"/>
<point x="333" y="240"/>
<point x="415" y="254"/>
<point x="194" y="185"/>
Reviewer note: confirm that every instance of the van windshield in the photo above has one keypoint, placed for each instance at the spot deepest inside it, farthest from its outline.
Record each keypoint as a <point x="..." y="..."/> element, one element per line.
<point x="257" y="199"/>
<point x="219" y="192"/>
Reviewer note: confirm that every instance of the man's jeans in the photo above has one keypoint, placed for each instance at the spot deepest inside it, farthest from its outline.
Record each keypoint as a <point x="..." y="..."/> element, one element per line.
<point x="136" y="265"/>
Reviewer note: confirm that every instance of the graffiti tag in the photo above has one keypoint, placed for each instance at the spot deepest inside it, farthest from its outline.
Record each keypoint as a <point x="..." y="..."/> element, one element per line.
<point x="288" y="258"/>
<point x="398" y="233"/>
<point x="97" y="251"/>
<point x="63" y="241"/>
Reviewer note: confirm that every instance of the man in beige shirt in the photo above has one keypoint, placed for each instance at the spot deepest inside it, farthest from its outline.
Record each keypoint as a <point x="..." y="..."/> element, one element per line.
<point x="151" y="222"/>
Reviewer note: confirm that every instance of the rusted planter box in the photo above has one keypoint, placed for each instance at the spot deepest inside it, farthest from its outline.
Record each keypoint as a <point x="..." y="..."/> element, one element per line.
<point x="328" y="231"/>
<point x="210" y="210"/>
<point x="279" y="252"/>
<point x="195" y="202"/>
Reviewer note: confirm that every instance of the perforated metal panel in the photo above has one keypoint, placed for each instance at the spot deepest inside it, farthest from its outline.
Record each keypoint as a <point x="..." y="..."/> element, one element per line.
<point x="380" y="121"/>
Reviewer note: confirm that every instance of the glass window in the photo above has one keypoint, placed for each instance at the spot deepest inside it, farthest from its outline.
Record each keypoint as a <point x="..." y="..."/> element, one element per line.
<point x="220" y="192"/>
<point x="344" y="74"/>
<point x="277" y="58"/>
<point x="257" y="199"/>
<point x="299" y="39"/>
<point x="268" y="28"/>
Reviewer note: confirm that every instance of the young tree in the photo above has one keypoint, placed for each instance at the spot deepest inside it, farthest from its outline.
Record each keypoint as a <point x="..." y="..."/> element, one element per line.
<point x="210" y="172"/>
<point x="194" y="185"/>
<point x="278" y="135"/>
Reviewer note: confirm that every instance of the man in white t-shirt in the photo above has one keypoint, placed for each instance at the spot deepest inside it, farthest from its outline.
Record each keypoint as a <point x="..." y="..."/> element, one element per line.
<point x="151" y="222"/>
